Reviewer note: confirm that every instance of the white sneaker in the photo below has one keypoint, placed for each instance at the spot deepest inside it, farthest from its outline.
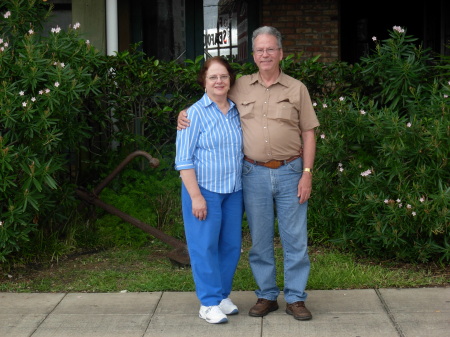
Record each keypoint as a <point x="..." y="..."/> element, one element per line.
<point x="212" y="314"/>
<point x="228" y="307"/>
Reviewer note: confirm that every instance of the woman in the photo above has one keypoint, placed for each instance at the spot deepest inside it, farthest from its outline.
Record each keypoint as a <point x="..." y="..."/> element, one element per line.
<point x="209" y="157"/>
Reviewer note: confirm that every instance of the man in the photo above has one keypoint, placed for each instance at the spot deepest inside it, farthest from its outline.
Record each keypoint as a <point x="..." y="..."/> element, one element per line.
<point x="278" y="121"/>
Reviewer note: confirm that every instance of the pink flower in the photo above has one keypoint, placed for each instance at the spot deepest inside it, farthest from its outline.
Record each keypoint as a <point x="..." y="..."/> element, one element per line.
<point x="7" y="14"/>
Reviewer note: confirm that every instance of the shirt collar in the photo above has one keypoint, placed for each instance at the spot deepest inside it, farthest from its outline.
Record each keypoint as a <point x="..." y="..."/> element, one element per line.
<point x="208" y="101"/>
<point x="256" y="77"/>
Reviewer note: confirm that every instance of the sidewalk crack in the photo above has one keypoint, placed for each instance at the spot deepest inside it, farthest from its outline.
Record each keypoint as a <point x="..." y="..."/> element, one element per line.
<point x="389" y="313"/>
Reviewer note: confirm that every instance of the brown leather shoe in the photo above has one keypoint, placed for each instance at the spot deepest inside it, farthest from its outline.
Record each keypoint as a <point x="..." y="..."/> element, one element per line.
<point x="299" y="311"/>
<point x="263" y="307"/>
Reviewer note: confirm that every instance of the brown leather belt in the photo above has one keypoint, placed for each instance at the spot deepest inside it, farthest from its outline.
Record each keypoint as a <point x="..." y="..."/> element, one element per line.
<point x="273" y="164"/>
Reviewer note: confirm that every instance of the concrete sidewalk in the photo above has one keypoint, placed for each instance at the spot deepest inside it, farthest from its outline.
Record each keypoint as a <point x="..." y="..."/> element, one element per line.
<point x="362" y="312"/>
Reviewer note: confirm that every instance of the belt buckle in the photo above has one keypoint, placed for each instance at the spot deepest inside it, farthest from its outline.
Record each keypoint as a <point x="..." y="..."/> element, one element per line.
<point x="273" y="164"/>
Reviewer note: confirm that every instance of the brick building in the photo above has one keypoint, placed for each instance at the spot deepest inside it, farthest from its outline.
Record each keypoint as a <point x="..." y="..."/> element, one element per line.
<point x="179" y="29"/>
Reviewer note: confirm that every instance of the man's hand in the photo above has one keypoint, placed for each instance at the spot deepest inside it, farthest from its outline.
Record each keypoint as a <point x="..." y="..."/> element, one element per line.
<point x="305" y="187"/>
<point x="182" y="120"/>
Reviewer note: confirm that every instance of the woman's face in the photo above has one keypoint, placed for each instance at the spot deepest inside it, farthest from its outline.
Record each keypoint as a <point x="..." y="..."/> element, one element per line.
<point x="217" y="81"/>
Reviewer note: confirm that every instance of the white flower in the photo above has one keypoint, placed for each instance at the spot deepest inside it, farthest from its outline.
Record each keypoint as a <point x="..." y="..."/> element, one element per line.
<point x="1" y="223"/>
<point x="341" y="169"/>
<point x="445" y="96"/>
<point x="374" y="38"/>
<point x="7" y="14"/>
<point x="414" y="213"/>
<point x="1" y="41"/>
<point x="341" y="98"/>
<point x="6" y="44"/>
<point x="325" y="106"/>
<point x="47" y="91"/>
<point x="408" y="124"/>
<point x="398" y="29"/>
<point x="24" y="104"/>
<point x="314" y="104"/>
<point x="366" y="173"/>
<point x="31" y="32"/>
<point x="340" y="164"/>
<point x="386" y="201"/>
<point x="76" y="25"/>
<point x="88" y="42"/>
<point x="2" y="48"/>
<point x="408" y="206"/>
<point x="400" y="205"/>
<point x="57" y="84"/>
<point x="33" y="99"/>
<point x="362" y="112"/>
<point x="422" y="199"/>
<point x="40" y="92"/>
<point x="21" y="93"/>
<point x="62" y="64"/>
<point x="322" y="136"/>
<point x="56" y="30"/>
<point x="398" y="200"/>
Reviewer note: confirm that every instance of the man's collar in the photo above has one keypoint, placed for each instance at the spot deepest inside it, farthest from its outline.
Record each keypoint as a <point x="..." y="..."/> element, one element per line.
<point x="256" y="77"/>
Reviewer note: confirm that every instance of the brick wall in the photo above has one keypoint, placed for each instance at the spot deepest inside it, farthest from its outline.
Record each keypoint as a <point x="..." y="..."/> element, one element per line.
<point x="310" y="27"/>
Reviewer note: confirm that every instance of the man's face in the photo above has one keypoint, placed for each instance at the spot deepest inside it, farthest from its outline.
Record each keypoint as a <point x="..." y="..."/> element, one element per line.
<point x="266" y="53"/>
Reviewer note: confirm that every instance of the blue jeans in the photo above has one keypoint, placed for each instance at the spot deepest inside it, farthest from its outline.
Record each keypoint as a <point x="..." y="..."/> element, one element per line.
<point x="269" y="193"/>
<point x="214" y="244"/>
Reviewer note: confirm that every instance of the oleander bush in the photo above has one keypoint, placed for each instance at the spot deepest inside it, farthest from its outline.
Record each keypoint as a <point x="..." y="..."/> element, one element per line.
<point x="69" y="116"/>
<point x="44" y="82"/>
<point x="381" y="184"/>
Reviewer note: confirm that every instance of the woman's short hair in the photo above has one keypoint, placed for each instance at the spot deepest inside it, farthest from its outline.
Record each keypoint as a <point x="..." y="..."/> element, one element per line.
<point x="201" y="78"/>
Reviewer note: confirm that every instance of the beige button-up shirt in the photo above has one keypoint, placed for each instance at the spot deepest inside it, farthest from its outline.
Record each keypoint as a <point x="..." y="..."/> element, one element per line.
<point x="273" y="118"/>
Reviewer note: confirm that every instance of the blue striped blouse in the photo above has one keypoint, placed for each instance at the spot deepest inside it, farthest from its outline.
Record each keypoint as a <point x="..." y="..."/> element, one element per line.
<point x="212" y="145"/>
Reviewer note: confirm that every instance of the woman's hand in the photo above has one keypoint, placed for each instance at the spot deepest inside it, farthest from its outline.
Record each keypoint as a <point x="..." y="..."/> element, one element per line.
<point x="199" y="208"/>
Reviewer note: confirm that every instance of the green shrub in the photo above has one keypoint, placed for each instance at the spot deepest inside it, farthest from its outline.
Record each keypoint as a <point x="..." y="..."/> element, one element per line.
<point x="382" y="173"/>
<point x="43" y="84"/>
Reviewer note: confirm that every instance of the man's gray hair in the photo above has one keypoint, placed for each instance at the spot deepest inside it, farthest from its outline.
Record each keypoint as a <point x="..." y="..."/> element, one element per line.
<point x="269" y="31"/>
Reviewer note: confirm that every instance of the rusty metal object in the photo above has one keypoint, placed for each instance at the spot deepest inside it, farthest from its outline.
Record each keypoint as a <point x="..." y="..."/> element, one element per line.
<point x="179" y="254"/>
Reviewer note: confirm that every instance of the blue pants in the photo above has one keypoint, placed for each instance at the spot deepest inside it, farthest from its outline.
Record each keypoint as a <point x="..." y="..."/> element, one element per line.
<point x="214" y="244"/>
<point x="269" y="193"/>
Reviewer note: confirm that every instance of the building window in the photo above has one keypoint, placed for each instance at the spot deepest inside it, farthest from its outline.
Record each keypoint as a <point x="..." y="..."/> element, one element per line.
<point x="225" y="29"/>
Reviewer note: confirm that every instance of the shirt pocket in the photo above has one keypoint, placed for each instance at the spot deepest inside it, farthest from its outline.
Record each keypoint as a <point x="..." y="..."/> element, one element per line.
<point x="284" y="110"/>
<point x="247" y="109"/>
